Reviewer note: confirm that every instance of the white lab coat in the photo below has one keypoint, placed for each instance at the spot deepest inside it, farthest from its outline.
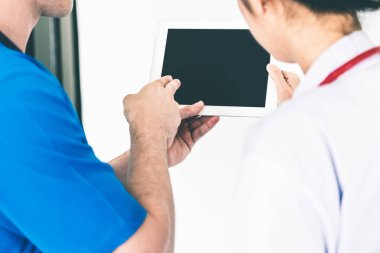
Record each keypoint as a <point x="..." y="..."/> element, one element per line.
<point x="311" y="175"/>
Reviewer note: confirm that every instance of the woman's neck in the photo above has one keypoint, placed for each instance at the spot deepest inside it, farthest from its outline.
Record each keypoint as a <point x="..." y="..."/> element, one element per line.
<point x="319" y="36"/>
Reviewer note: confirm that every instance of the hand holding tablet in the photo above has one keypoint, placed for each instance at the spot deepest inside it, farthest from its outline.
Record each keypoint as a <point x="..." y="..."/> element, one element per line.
<point x="221" y="65"/>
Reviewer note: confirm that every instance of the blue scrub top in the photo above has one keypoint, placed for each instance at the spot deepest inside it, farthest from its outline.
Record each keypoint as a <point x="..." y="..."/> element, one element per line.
<point x="55" y="195"/>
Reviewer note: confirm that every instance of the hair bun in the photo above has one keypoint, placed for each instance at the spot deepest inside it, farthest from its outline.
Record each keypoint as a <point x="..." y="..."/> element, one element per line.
<point x="341" y="6"/>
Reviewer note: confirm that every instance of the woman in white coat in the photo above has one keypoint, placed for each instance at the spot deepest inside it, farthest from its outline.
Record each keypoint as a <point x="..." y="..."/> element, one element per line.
<point x="310" y="180"/>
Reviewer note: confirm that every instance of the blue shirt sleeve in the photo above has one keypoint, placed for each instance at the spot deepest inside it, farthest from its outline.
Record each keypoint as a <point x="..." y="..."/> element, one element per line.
<point x="52" y="187"/>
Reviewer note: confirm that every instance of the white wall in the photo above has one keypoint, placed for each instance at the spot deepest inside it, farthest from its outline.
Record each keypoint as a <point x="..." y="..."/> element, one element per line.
<point x="116" y="48"/>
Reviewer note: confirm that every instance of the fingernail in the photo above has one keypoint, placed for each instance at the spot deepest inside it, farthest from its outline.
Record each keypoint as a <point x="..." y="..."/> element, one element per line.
<point x="199" y="104"/>
<point x="269" y="67"/>
<point x="170" y="78"/>
<point x="177" y="80"/>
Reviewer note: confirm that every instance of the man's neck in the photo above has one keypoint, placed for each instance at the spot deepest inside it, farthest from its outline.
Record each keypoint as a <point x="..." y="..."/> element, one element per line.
<point x="17" y="21"/>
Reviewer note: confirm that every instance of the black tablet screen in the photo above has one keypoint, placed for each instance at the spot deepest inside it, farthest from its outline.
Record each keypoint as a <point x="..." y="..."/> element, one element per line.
<point x="220" y="67"/>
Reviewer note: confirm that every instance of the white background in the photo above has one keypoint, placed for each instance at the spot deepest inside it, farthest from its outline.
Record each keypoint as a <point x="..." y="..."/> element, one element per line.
<point x="117" y="39"/>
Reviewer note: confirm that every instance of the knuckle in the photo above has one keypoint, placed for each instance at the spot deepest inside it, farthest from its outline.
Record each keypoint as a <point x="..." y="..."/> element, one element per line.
<point x="127" y="98"/>
<point x="155" y="83"/>
<point x="159" y="80"/>
<point x="152" y="85"/>
<point x="159" y="83"/>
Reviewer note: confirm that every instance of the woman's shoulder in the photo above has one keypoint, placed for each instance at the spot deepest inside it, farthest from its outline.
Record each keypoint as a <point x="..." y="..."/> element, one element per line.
<point x="292" y="125"/>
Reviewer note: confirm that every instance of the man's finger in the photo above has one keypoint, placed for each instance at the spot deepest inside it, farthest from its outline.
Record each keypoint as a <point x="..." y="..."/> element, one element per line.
<point x="170" y="142"/>
<point x="201" y="121"/>
<point x="164" y="80"/>
<point x="198" y="122"/>
<point x="173" y="86"/>
<point x="192" y="110"/>
<point x="203" y="129"/>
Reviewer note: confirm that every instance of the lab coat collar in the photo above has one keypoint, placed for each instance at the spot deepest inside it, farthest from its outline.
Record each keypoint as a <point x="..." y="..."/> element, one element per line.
<point x="335" y="56"/>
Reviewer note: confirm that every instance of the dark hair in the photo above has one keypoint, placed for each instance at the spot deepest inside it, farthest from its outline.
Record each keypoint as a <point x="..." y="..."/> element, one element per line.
<point x="335" y="6"/>
<point x="340" y="6"/>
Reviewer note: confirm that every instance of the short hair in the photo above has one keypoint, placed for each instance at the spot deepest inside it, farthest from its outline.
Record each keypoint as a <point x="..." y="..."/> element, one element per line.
<point x="340" y="6"/>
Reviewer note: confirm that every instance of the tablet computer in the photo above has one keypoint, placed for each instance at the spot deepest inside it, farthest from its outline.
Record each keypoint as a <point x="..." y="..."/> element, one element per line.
<point x="218" y="63"/>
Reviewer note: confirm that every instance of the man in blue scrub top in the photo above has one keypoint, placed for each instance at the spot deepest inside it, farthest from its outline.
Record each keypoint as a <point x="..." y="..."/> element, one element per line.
<point x="55" y="195"/>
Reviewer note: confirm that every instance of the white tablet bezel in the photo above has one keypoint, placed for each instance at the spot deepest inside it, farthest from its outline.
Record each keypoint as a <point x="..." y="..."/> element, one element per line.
<point x="158" y="61"/>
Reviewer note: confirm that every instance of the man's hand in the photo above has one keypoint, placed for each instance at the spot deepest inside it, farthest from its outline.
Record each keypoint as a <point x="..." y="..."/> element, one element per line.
<point x="154" y="118"/>
<point x="285" y="82"/>
<point x="153" y="112"/>
<point x="189" y="132"/>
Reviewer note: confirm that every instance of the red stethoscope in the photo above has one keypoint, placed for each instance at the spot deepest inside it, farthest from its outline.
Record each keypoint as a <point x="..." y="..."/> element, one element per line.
<point x="349" y="65"/>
